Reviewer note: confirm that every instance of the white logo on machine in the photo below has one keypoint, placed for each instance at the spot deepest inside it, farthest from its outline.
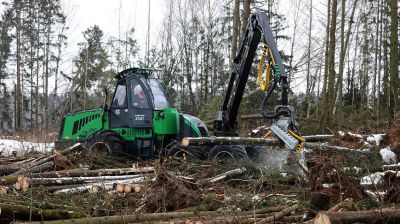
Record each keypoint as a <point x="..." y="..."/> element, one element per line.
<point x="117" y="112"/>
<point x="139" y="117"/>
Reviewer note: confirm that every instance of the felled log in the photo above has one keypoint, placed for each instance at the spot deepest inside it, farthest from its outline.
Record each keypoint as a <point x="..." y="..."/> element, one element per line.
<point x="8" y="180"/>
<point x="250" y="218"/>
<point x="326" y="147"/>
<point x="133" y="218"/>
<point x="89" y="187"/>
<point x="3" y="190"/>
<point x="35" y="169"/>
<point x="222" y="176"/>
<point x="23" y="212"/>
<point x="244" y="140"/>
<point x="280" y="215"/>
<point x="372" y="216"/>
<point x="38" y="166"/>
<point x="228" y="141"/>
<point x="91" y="173"/>
<point x="391" y="167"/>
<point x="14" y="167"/>
<point x="69" y="180"/>
<point x="157" y="217"/>
<point x="267" y="142"/>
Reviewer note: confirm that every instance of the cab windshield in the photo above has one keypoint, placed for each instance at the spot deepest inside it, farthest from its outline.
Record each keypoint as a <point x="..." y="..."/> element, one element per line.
<point x="160" y="100"/>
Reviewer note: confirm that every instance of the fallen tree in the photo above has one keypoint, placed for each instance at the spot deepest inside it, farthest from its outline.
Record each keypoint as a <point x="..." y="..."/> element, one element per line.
<point x="92" y="173"/>
<point x="157" y="217"/>
<point x="25" y="212"/>
<point x="222" y="176"/>
<point x="45" y="163"/>
<point x="267" y="142"/>
<point x="67" y="180"/>
<point x="372" y="216"/>
<point x="245" y="140"/>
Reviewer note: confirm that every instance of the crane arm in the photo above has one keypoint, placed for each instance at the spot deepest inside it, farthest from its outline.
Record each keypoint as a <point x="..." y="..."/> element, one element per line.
<point x="284" y="126"/>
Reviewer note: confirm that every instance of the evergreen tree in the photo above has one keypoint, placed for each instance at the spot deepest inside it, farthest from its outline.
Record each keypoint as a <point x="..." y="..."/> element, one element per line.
<point x="91" y="63"/>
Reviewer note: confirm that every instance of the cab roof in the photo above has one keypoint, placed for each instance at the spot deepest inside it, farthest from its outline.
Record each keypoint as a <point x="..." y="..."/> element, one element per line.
<point x="131" y="71"/>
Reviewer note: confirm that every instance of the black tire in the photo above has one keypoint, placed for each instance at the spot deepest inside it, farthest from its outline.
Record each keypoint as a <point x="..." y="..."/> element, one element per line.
<point x="195" y="152"/>
<point x="174" y="151"/>
<point x="254" y="152"/>
<point x="191" y="151"/>
<point x="106" y="142"/>
<point x="226" y="153"/>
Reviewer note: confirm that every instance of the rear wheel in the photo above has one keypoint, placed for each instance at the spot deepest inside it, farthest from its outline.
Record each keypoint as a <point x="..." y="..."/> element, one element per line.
<point x="226" y="153"/>
<point x="254" y="152"/>
<point x="191" y="152"/>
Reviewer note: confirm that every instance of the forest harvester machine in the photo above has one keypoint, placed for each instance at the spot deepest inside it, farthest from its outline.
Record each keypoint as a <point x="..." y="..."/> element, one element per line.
<point x="141" y="122"/>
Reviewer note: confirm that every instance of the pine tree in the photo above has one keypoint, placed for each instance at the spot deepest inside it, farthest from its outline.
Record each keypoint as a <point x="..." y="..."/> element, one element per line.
<point x="91" y="64"/>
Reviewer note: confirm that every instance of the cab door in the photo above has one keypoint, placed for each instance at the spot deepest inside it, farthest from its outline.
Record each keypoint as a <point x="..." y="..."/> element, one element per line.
<point x="119" y="113"/>
<point x="141" y="109"/>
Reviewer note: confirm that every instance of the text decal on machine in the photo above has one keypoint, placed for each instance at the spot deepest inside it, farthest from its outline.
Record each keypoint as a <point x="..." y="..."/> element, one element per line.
<point x="139" y="117"/>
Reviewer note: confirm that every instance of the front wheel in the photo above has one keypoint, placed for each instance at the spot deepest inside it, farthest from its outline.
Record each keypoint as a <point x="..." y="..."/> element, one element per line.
<point x="104" y="148"/>
<point x="226" y="153"/>
<point x="191" y="152"/>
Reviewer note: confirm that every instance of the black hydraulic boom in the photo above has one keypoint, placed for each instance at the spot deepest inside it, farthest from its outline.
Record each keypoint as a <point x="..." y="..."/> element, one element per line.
<point x="258" y="30"/>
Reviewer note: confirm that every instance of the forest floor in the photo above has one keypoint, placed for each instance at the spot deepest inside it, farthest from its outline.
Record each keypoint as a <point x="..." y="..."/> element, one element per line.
<point x="355" y="181"/>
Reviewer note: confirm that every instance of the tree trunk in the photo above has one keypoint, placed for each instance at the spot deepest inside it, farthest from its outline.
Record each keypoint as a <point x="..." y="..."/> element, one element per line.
<point x="133" y="218"/>
<point x="235" y="30"/>
<point x="394" y="63"/>
<point x="37" y="76"/>
<point x="18" y="92"/>
<point x="246" y="14"/>
<point x="308" y="91"/>
<point x="91" y="173"/>
<point x="324" y="85"/>
<point x="295" y="23"/>
<point x="374" y="216"/>
<point x="330" y="100"/>
<point x="24" y="212"/>
<point x="245" y="141"/>
<point x="378" y="99"/>
<point x="46" y="82"/>
<point x="222" y="176"/>
<point x="280" y="214"/>
<point x="344" y="43"/>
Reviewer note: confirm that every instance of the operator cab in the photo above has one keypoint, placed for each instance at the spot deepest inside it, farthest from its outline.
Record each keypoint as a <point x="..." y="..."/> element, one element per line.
<point x="136" y="97"/>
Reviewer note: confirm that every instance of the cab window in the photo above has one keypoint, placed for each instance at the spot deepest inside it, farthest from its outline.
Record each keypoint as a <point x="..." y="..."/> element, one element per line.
<point x="160" y="100"/>
<point x="138" y="97"/>
<point x="120" y="99"/>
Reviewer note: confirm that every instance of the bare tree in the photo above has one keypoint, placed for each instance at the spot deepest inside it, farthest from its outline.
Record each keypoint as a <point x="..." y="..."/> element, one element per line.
<point x="394" y="63"/>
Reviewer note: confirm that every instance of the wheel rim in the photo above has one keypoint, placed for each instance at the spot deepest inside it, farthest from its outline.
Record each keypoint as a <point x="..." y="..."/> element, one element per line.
<point x="224" y="156"/>
<point x="100" y="149"/>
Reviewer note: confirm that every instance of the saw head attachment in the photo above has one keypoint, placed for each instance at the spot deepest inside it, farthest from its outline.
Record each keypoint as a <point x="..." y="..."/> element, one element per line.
<point x="286" y="128"/>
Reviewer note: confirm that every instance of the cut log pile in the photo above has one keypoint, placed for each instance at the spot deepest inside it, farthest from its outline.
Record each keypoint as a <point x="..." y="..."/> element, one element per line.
<point x="182" y="190"/>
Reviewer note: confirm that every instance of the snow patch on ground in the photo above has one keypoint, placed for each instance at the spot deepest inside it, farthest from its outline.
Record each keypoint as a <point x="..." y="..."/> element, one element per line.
<point x="372" y="179"/>
<point x="19" y="148"/>
<point x="375" y="139"/>
<point x="376" y="178"/>
<point x="355" y="135"/>
<point x="388" y="156"/>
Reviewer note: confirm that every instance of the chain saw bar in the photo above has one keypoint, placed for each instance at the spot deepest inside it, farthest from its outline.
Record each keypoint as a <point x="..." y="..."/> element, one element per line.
<point x="284" y="127"/>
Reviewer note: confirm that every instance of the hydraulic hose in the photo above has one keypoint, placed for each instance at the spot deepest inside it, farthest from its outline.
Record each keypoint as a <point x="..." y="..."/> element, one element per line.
<point x="265" y="114"/>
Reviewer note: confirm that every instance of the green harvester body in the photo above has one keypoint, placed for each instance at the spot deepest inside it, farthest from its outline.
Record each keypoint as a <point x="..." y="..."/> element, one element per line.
<point x="144" y="127"/>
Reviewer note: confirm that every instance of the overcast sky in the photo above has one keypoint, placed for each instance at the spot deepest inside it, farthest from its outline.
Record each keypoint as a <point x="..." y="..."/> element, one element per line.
<point x="108" y="14"/>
